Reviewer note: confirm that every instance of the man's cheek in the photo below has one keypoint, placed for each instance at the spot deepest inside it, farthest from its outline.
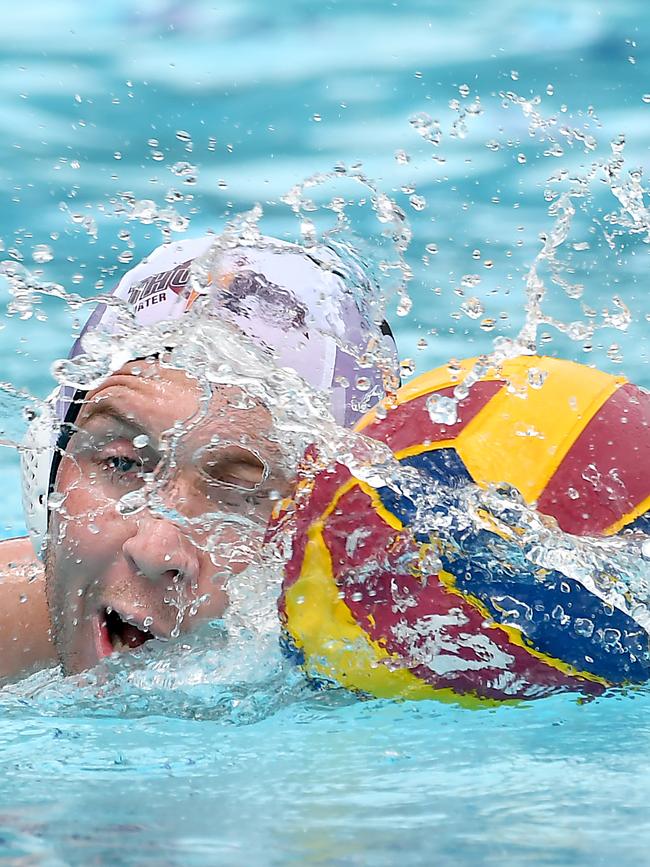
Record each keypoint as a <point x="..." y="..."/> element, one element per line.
<point x="62" y="599"/>
<point x="72" y="536"/>
<point x="87" y="500"/>
<point x="82" y="513"/>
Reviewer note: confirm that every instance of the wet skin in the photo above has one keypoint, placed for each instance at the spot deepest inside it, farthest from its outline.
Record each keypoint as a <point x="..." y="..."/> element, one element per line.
<point x="117" y="578"/>
<point x="25" y="641"/>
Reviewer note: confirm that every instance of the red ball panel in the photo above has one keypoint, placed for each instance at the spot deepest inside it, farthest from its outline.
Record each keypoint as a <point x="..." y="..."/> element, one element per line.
<point x="411" y="423"/>
<point x="604" y="475"/>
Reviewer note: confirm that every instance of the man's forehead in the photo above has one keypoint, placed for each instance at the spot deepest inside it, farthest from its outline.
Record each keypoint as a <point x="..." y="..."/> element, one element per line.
<point x="155" y="398"/>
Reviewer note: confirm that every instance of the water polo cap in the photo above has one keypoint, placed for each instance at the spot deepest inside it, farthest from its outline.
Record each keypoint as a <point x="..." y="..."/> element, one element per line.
<point x="303" y="305"/>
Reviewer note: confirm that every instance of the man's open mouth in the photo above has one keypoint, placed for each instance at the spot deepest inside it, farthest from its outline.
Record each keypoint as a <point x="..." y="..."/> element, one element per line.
<point x="116" y="633"/>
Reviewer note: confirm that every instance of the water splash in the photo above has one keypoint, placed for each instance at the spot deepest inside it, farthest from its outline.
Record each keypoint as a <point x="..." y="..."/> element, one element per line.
<point x="613" y="569"/>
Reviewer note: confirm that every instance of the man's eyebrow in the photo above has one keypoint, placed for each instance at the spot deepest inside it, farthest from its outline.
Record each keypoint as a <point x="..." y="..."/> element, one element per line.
<point x="110" y="410"/>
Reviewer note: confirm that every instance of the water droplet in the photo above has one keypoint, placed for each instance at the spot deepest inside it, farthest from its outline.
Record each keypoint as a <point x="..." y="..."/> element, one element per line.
<point x="140" y="441"/>
<point x="363" y="383"/>
<point x="427" y="127"/>
<point x="407" y="367"/>
<point x="316" y="118"/>
<point x="401" y="157"/>
<point x="583" y="626"/>
<point x="521" y="158"/>
<point x="147" y="622"/>
<point x="404" y="306"/>
<point x="573" y="494"/>
<point x="42" y="253"/>
<point x="646" y="98"/>
<point x="550" y="90"/>
<point x="536" y="377"/>
<point x="158" y="156"/>
<point x="418" y="203"/>
<point x="442" y="410"/>
<point x="432" y="249"/>
<point x="55" y="501"/>
<point x="469" y="281"/>
<point x="472" y="308"/>
<point x="558" y="613"/>
<point x="131" y="502"/>
<point x="117" y="155"/>
<point x="618" y="143"/>
<point x="577" y="331"/>
<point x="614" y="353"/>
<point x="464" y="90"/>
<point x="183" y="135"/>
<point x="125" y="257"/>
<point x="183" y="169"/>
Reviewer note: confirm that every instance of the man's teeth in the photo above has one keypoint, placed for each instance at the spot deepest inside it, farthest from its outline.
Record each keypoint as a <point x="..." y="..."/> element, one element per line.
<point x="119" y="646"/>
<point x="125" y="634"/>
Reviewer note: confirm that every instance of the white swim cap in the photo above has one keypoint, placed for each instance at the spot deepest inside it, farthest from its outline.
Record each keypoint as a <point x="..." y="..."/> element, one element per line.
<point x="305" y="305"/>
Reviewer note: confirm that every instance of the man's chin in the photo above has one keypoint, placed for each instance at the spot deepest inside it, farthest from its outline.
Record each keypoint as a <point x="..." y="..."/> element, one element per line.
<point x="77" y="662"/>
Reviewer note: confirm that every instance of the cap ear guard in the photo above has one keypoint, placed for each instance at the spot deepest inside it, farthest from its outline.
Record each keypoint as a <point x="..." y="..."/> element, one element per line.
<point x="36" y="457"/>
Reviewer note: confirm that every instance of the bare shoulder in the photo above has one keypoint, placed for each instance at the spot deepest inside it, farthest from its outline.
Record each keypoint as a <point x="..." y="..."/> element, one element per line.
<point x="24" y="622"/>
<point x="16" y="555"/>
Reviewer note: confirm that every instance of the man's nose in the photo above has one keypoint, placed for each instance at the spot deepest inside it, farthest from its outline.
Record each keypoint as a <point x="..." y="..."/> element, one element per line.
<point x="159" y="551"/>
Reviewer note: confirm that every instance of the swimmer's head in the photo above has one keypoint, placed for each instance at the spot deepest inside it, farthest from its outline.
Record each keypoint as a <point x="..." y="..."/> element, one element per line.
<point x="116" y="577"/>
<point x="209" y="460"/>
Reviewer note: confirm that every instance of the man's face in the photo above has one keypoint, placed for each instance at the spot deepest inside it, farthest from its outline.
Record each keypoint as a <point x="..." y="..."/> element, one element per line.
<point x="119" y="573"/>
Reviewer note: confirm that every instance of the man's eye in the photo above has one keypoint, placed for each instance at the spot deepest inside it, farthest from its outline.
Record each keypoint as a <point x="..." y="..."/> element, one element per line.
<point x="230" y="467"/>
<point x="243" y="476"/>
<point x="122" y="464"/>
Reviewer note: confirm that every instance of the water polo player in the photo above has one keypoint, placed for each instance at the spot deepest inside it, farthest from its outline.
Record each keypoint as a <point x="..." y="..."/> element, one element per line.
<point x="117" y="575"/>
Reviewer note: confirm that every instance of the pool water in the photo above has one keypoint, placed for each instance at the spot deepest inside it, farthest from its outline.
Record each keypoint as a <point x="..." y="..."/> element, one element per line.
<point x="107" y="100"/>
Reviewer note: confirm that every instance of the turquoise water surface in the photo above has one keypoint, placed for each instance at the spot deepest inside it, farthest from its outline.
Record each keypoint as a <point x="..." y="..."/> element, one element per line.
<point x="99" y="105"/>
